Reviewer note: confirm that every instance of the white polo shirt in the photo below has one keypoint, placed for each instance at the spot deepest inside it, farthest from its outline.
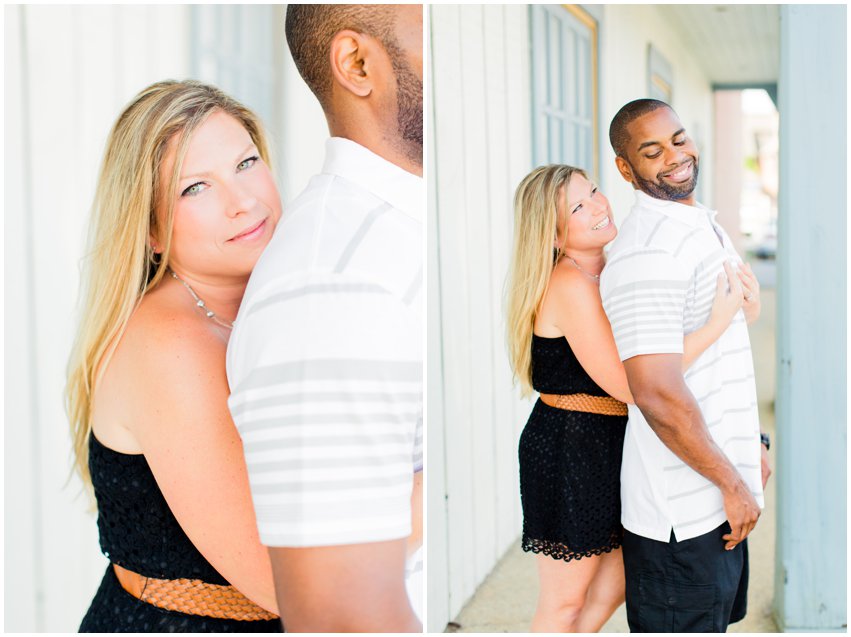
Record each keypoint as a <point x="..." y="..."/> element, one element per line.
<point x="325" y="360"/>
<point x="659" y="285"/>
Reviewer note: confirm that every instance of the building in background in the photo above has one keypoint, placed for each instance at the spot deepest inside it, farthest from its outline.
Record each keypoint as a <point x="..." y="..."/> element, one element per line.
<point x="69" y="70"/>
<point x="513" y="87"/>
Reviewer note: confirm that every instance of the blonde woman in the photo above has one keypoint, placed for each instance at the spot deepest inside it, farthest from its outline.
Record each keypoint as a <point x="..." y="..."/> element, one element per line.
<point x="184" y="205"/>
<point x="561" y="344"/>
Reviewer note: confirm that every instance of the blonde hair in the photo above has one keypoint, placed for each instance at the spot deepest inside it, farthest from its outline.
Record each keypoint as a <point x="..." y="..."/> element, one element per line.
<point x="120" y="266"/>
<point x="533" y="258"/>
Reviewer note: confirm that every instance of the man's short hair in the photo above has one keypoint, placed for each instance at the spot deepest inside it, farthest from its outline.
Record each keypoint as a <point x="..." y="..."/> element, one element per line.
<point x="311" y="27"/>
<point x="618" y="136"/>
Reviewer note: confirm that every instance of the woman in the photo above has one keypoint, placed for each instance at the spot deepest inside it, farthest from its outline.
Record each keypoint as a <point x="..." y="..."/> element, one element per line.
<point x="185" y="204"/>
<point x="561" y="344"/>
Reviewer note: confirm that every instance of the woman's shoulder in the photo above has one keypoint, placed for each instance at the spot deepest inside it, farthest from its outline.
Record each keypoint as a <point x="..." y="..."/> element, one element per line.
<point x="170" y="335"/>
<point x="568" y="285"/>
<point x="569" y="295"/>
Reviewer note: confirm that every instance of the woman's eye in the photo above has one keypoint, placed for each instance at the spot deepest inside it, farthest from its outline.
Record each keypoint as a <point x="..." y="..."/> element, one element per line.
<point x="575" y="210"/>
<point x="594" y="191"/>
<point x="194" y="189"/>
<point x="246" y="163"/>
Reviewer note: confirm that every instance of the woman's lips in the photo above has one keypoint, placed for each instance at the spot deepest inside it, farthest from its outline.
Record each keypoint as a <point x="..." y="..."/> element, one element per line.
<point x="251" y="233"/>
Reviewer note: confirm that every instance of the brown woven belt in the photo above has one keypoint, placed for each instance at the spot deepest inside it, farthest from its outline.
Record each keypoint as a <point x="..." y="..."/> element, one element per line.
<point x="604" y="405"/>
<point x="191" y="596"/>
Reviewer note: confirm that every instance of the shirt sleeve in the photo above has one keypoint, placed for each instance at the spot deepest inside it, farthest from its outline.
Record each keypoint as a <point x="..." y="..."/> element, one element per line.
<point x="644" y="296"/>
<point x="326" y="395"/>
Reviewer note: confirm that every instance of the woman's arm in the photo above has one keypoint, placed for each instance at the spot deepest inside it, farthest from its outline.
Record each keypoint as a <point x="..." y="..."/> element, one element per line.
<point x="577" y="311"/>
<point x="184" y="427"/>
<point x="415" y="540"/>
<point x="726" y="305"/>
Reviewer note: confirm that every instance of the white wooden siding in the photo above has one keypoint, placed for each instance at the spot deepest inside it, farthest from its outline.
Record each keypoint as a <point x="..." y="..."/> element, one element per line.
<point x="480" y="149"/>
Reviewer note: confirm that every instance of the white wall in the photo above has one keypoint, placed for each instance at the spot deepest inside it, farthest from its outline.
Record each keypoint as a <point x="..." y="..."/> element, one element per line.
<point x="811" y="578"/>
<point x="68" y="72"/>
<point x="480" y="149"/>
<point x="626" y="31"/>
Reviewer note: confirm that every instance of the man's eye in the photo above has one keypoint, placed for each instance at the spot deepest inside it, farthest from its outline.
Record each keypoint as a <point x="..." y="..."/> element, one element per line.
<point x="680" y="142"/>
<point x="654" y="155"/>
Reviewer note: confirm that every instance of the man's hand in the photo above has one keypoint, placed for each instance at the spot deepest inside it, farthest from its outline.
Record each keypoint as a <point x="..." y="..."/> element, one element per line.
<point x="742" y="512"/>
<point x="766" y="465"/>
<point x="657" y="383"/>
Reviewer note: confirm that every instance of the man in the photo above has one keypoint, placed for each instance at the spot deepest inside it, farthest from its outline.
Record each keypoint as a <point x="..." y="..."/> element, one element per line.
<point x="325" y="361"/>
<point x="691" y="484"/>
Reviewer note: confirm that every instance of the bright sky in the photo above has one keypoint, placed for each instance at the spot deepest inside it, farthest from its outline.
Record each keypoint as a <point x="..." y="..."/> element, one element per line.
<point x="755" y="101"/>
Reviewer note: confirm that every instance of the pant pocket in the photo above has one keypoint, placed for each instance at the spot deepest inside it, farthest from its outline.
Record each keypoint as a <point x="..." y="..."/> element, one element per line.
<point x="674" y="607"/>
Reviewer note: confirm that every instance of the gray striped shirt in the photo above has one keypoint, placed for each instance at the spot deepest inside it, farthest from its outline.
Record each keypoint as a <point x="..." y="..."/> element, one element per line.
<point x="658" y="286"/>
<point x="325" y="361"/>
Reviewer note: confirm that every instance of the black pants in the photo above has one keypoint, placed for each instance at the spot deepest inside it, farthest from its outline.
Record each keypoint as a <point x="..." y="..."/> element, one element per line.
<point x="693" y="586"/>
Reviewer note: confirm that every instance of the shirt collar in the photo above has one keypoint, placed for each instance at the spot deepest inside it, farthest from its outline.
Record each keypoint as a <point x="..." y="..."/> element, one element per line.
<point x="362" y="167"/>
<point x="683" y="213"/>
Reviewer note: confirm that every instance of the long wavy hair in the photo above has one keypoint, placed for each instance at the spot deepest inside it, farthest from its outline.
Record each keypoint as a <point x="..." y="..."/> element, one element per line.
<point x="133" y="205"/>
<point x="533" y="258"/>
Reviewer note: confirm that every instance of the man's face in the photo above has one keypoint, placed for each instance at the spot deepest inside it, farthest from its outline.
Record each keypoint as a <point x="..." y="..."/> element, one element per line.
<point x="662" y="161"/>
<point x="408" y="69"/>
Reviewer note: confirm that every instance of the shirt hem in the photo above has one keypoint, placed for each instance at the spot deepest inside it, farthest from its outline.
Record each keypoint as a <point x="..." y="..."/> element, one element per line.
<point x="283" y="540"/>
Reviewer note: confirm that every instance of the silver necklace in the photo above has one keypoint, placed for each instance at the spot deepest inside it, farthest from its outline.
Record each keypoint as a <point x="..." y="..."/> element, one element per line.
<point x="596" y="277"/>
<point x="200" y="303"/>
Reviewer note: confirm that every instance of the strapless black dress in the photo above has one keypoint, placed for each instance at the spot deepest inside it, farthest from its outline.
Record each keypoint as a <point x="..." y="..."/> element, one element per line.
<point x="139" y="532"/>
<point x="570" y="463"/>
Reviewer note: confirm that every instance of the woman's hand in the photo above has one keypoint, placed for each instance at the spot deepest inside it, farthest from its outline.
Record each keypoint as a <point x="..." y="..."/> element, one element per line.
<point x="750" y="287"/>
<point x="727" y="302"/>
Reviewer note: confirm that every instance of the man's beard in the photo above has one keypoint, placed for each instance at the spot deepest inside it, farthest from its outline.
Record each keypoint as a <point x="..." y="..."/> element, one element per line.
<point x="409" y="104"/>
<point x="664" y="190"/>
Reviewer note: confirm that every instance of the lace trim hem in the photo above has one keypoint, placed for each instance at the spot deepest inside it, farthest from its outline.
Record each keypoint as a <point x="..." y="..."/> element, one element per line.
<point x="559" y="551"/>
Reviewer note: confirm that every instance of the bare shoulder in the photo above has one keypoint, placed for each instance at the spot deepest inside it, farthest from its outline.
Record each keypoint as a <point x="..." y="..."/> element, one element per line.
<point x="571" y="295"/>
<point x="166" y="346"/>
<point x="165" y="332"/>
<point x="165" y="357"/>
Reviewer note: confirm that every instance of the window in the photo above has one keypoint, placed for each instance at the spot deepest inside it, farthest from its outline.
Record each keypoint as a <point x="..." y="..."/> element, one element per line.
<point x="233" y="47"/>
<point x="660" y="76"/>
<point x="564" y="87"/>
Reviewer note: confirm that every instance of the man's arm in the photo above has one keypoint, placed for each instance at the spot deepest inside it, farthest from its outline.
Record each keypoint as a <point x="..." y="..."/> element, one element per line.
<point x="350" y="588"/>
<point x="657" y="383"/>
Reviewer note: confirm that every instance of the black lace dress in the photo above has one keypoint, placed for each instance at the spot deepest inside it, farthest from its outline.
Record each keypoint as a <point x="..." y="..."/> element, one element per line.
<point x="570" y="463"/>
<point x="139" y="532"/>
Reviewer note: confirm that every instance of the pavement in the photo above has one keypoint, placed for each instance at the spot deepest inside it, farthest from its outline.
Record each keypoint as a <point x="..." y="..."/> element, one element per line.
<point x="505" y="601"/>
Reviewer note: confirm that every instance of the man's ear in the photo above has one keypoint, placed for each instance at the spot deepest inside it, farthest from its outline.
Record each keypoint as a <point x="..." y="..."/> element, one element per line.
<point x="349" y="62"/>
<point x="624" y="169"/>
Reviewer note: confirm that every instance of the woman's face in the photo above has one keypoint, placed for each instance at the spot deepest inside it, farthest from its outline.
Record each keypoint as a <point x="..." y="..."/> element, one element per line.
<point x="226" y="203"/>
<point x="585" y="214"/>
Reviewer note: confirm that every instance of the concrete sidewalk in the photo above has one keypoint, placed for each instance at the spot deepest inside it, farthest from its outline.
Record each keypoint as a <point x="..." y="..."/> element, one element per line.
<point x="505" y="602"/>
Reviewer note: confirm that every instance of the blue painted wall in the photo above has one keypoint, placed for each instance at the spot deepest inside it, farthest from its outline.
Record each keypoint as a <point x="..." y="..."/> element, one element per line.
<point x="810" y="586"/>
